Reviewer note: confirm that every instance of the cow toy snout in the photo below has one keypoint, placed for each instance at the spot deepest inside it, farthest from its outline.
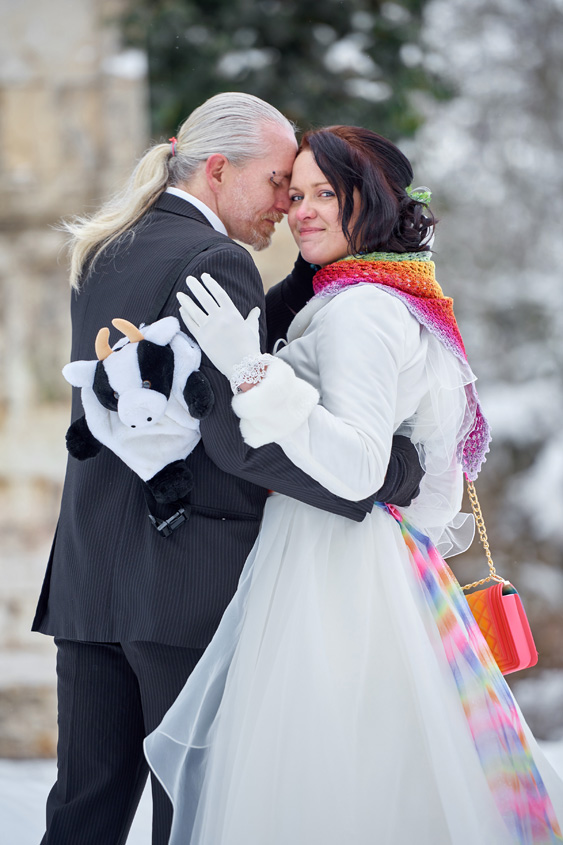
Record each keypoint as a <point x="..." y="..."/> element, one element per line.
<point x="140" y="408"/>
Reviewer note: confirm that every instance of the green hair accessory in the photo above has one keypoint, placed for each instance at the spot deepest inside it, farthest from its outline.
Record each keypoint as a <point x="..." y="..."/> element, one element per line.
<point x="421" y="194"/>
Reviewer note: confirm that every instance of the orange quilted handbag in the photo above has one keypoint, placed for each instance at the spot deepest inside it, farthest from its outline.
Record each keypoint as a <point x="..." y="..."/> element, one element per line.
<point x="498" y="610"/>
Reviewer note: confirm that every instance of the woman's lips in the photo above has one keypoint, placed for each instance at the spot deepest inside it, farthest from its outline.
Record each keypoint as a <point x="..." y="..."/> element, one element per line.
<point x="309" y="231"/>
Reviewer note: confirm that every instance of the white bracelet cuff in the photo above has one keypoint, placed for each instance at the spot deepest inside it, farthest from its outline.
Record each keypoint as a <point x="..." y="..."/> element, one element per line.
<point x="276" y="407"/>
<point x="251" y="370"/>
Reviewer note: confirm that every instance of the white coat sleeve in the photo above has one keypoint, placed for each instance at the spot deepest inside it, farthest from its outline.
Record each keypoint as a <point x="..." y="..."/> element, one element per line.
<point x="362" y="339"/>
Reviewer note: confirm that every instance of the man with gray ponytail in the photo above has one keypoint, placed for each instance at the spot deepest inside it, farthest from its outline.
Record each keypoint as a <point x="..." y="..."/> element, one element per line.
<point x="131" y="609"/>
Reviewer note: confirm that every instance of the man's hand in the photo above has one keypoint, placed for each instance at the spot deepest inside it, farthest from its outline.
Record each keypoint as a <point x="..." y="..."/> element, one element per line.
<point x="404" y="474"/>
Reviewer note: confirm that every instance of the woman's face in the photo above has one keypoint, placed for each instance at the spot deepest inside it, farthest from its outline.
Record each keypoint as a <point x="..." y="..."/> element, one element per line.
<point x="313" y="216"/>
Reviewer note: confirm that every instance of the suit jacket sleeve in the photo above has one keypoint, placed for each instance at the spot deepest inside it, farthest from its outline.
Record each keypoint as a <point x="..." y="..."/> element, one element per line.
<point x="233" y="268"/>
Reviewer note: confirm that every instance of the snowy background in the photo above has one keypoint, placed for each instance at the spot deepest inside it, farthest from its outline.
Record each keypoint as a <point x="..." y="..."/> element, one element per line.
<point x="492" y="153"/>
<point x="24" y="786"/>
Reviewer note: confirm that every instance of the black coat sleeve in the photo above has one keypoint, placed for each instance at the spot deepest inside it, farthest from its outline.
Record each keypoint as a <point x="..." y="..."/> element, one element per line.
<point x="287" y="298"/>
<point x="268" y="466"/>
<point x="283" y="302"/>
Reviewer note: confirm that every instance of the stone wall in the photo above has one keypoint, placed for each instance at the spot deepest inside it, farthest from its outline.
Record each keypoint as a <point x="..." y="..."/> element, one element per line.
<point x="73" y="119"/>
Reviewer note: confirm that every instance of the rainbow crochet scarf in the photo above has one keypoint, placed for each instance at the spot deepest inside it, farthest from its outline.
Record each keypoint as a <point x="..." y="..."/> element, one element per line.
<point x="410" y="276"/>
<point x="512" y="775"/>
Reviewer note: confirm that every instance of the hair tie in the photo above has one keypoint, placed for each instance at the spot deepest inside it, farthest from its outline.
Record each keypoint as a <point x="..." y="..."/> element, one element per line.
<point x="421" y="194"/>
<point x="173" y="143"/>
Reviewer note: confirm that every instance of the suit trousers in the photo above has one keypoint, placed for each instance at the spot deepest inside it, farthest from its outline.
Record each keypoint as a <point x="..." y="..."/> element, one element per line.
<point x="110" y="696"/>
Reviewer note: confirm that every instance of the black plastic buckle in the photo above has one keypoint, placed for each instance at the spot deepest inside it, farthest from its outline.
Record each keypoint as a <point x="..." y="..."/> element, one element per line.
<point x="165" y="527"/>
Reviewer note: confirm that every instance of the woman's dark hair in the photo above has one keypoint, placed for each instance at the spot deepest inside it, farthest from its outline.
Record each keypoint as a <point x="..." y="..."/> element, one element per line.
<point x="389" y="220"/>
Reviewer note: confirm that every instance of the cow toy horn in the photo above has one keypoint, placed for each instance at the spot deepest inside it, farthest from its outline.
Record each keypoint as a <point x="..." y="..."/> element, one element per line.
<point x="102" y="347"/>
<point x="130" y="331"/>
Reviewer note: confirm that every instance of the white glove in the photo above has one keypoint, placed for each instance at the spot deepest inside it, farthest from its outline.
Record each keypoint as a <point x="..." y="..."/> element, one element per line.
<point x="223" y="334"/>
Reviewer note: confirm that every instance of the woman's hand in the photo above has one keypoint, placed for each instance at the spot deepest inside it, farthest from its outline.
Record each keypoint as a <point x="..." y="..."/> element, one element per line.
<point x="218" y="326"/>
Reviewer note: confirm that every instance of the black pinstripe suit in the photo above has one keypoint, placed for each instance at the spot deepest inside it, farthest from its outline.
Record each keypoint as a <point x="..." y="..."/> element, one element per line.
<point x="113" y="580"/>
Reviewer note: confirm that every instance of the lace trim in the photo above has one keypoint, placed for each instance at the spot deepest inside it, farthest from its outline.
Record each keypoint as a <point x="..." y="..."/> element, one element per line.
<point x="251" y="370"/>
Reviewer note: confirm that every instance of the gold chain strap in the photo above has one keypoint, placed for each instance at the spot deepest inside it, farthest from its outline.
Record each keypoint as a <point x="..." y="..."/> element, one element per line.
<point x="480" y="522"/>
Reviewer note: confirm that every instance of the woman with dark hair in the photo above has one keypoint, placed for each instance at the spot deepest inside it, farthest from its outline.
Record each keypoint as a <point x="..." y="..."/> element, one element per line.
<point x="369" y="176"/>
<point x="348" y="696"/>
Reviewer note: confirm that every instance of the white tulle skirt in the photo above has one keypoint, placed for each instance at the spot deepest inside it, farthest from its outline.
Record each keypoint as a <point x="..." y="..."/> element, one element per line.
<point x="325" y="711"/>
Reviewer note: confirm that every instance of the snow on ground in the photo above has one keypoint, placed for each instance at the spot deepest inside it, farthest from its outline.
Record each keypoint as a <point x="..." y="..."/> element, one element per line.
<point x="24" y="785"/>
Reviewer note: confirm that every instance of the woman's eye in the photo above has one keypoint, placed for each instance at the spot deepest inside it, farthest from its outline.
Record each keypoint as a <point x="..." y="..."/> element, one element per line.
<point x="147" y="384"/>
<point x="327" y="194"/>
<point x="296" y="197"/>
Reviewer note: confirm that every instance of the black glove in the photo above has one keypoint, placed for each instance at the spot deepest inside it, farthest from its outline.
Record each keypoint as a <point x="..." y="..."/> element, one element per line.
<point x="404" y="474"/>
<point x="285" y="299"/>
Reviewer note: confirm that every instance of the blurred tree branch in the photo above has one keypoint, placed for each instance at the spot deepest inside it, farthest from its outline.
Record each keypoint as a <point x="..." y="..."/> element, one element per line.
<point x="322" y="62"/>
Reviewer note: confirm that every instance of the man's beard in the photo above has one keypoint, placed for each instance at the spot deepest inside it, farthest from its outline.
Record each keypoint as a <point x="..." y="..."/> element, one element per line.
<point x="258" y="239"/>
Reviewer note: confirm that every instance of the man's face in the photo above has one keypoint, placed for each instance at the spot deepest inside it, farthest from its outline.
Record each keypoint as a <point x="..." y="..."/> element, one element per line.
<point x="254" y="197"/>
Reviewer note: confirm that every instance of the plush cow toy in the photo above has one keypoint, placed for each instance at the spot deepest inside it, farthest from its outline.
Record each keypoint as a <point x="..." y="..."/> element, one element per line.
<point x="143" y="399"/>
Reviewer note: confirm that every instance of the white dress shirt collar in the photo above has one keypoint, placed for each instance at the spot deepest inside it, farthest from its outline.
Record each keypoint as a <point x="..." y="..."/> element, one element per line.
<point x="205" y="210"/>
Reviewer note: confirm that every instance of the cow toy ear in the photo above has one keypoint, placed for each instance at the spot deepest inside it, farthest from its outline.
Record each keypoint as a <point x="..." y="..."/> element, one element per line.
<point x="162" y="331"/>
<point x="80" y="373"/>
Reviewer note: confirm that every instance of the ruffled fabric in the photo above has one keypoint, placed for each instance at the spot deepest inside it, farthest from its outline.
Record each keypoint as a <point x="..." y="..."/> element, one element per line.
<point x="411" y="277"/>
<point x="442" y="421"/>
<point x="438" y="382"/>
<point x="326" y="708"/>
<point x="346" y="697"/>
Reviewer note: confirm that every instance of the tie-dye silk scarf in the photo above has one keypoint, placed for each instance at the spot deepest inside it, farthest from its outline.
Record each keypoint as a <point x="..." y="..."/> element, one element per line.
<point x="411" y="277"/>
<point x="489" y="708"/>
